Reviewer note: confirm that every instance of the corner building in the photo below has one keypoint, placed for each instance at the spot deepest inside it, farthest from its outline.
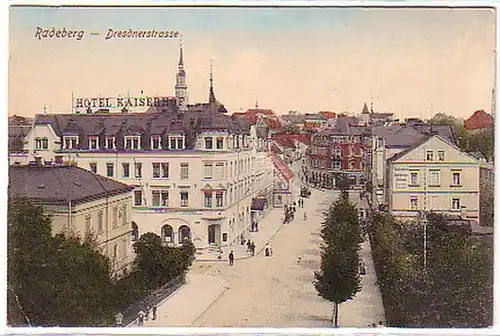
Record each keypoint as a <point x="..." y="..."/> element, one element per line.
<point x="194" y="174"/>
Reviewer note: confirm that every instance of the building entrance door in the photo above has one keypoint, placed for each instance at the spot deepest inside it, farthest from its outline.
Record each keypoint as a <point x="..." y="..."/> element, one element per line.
<point x="214" y="234"/>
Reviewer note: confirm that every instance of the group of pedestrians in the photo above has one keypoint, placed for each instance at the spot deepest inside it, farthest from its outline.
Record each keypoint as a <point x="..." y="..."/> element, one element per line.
<point x="144" y="316"/>
<point x="251" y="247"/>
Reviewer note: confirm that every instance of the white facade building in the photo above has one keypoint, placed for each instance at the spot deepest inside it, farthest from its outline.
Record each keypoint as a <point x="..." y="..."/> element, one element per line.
<point x="195" y="174"/>
<point x="436" y="176"/>
<point x="81" y="203"/>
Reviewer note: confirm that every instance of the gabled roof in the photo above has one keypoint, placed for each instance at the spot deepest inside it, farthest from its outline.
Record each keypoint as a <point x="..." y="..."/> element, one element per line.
<point x="60" y="184"/>
<point x="427" y="138"/>
<point x="407" y="135"/>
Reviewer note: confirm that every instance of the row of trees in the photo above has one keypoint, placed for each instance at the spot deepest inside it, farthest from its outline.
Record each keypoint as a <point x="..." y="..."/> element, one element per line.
<point x="455" y="289"/>
<point x="338" y="279"/>
<point x="62" y="280"/>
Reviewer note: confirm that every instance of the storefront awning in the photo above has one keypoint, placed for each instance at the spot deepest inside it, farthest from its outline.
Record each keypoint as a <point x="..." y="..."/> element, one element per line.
<point x="282" y="167"/>
<point x="258" y="204"/>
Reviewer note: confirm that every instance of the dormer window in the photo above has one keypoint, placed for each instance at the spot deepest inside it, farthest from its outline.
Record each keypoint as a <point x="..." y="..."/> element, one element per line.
<point x="110" y="143"/>
<point x="132" y="142"/>
<point x="208" y="143"/>
<point x="155" y="142"/>
<point x="220" y="143"/>
<point x="71" y="142"/>
<point x="176" y="142"/>
<point x="93" y="142"/>
<point x="41" y="143"/>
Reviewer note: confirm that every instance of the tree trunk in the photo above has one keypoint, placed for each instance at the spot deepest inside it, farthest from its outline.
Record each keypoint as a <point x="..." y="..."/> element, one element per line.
<point x="335" y="315"/>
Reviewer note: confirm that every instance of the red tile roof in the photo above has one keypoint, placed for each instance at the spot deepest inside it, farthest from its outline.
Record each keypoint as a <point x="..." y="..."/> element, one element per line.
<point x="275" y="148"/>
<point x="479" y="120"/>
<point x="282" y="167"/>
<point x="328" y="114"/>
<point x="302" y="137"/>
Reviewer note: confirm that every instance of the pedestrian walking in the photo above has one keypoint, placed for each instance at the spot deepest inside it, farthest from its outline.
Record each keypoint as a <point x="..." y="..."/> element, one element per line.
<point x="268" y="250"/>
<point x="305" y="215"/>
<point x="154" y="312"/>
<point x="140" y="318"/>
<point x="119" y="319"/>
<point x="252" y="248"/>
<point x="249" y="243"/>
<point x="231" y="258"/>
<point x="148" y="309"/>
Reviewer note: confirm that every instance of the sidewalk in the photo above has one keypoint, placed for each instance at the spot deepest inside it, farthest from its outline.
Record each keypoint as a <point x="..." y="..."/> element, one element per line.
<point x="367" y="306"/>
<point x="269" y="226"/>
<point x="188" y="303"/>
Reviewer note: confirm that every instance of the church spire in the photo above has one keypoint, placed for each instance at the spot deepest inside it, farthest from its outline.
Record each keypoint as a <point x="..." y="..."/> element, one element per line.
<point x="211" y="95"/>
<point x="180" y="84"/>
<point x="181" y="60"/>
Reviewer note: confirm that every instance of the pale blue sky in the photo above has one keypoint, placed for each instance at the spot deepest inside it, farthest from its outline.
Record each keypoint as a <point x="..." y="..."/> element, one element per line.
<point x="412" y="61"/>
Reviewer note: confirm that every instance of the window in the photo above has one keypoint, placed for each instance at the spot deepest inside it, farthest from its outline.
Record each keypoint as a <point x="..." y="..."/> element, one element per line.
<point x="93" y="167"/>
<point x="138" y="170"/>
<point x="124" y="217"/>
<point x="430" y="155"/>
<point x="208" y="170"/>
<point x="132" y="142"/>
<point x="42" y="143"/>
<point x="71" y="142"/>
<point x="164" y="197"/>
<point x="110" y="143"/>
<point x="441" y="155"/>
<point x="93" y="142"/>
<point x="220" y="143"/>
<point x="434" y="178"/>
<point x="208" y="200"/>
<point x="176" y="142"/>
<point x="160" y="198"/>
<point x="115" y="251"/>
<point x="124" y="248"/>
<point x="218" y="200"/>
<point x="337" y="165"/>
<point x="455" y="203"/>
<point x="155" y="142"/>
<point x="219" y="170"/>
<point x="138" y="197"/>
<point x="115" y="217"/>
<point x="208" y="143"/>
<point x="456" y="179"/>
<point x="164" y="169"/>
<point x="414" y="179"/>
<point x="184" y="171"/>
<point x="38" y="143"/>
<point x="110" y="169"/>
<point x="156" y="170"/>
<point x="414" y="203"/>
<point x="99" y="221"/>
<point x="126" y="169"/>
<point x="184" y="199"/>
<point x="88" y="225"/>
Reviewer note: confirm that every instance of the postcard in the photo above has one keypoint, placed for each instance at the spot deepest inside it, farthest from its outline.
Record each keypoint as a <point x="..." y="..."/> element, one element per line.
<point x="251" y="167"/>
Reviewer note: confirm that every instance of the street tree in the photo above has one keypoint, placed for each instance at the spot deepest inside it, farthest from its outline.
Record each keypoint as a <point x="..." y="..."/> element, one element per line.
<point x="52" y="280"/>
<point x="487" y="203"/>
<point x="338" y="279"/>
